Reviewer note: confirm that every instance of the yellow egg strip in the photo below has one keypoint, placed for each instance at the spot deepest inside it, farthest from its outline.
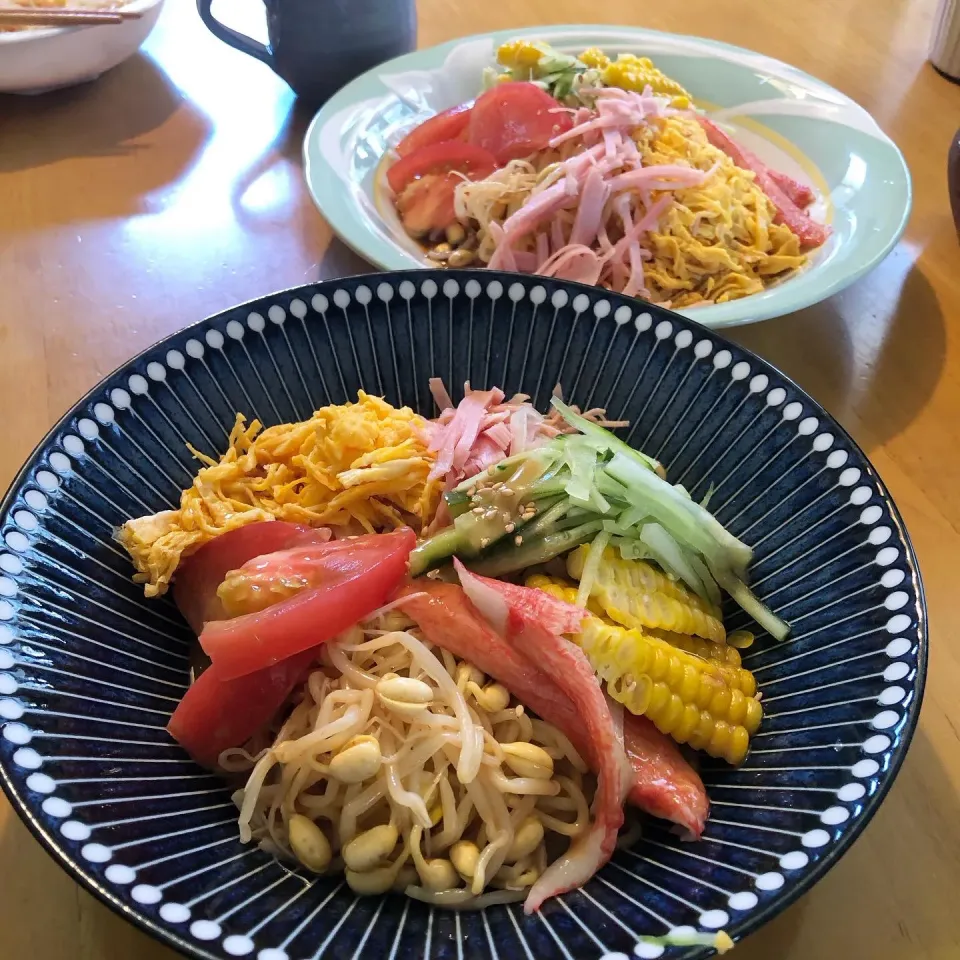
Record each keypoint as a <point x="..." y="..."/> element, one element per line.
<point x="363" y="466"/>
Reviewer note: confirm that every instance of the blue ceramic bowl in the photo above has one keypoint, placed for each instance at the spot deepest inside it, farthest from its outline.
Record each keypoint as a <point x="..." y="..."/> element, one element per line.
<point x="90" y="671"/>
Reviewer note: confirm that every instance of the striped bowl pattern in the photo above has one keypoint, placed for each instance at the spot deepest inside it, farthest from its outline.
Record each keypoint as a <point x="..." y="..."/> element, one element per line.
<point x="90" y="671"/>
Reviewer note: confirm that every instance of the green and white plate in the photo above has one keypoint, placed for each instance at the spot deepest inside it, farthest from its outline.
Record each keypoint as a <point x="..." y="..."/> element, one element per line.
<point x="795" y="123"/>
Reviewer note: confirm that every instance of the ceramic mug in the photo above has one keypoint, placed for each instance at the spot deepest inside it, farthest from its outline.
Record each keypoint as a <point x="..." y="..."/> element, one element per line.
<point x="317" y="46"/>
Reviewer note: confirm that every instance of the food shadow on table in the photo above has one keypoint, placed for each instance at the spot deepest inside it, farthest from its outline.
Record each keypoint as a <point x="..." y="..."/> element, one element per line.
<point x="107" y="117"/>
<point x="285" y="150"/>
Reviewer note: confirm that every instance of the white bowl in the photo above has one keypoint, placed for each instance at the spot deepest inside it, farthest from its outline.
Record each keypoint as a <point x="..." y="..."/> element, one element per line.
<point x="34" y="61"/>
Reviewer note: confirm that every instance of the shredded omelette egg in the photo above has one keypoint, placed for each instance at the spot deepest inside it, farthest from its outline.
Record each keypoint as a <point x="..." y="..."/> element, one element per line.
<point x="718" y="241"/>
<point x="363" y="466"/>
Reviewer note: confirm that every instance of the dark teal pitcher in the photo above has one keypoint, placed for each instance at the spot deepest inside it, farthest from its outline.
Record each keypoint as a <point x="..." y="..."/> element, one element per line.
<point x="319" y="45"/>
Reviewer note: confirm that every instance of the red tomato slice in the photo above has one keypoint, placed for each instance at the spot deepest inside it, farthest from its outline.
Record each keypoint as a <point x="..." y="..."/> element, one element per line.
<point x="441" y="157"/>
<point x="346" y="581"/>
<point x="513" y="120"/>
<point x="215" y="713"/>
<point x="195" y="587"/>
<point x="427" y="203"/>
<point x="448" y="125"/>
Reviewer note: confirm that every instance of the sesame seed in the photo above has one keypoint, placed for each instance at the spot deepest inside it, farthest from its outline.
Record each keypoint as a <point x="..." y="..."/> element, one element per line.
<point x="471" y="491"/>
<point x="498" y="485"/>
<point x="518" y="540"/>
<point x="478" y="510"/>
<point x="510" y="527"/>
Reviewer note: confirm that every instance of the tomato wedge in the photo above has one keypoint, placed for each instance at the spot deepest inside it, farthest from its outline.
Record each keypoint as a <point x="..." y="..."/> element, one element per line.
<point x="341" y="582"/>
<point x="425" y="182"/>
<point x="195" y="587"/>
<point x="513" y="120"/>
<point x="449" y="125"/>
<point x="215" y="713"/>
<point x="441" y="157"/>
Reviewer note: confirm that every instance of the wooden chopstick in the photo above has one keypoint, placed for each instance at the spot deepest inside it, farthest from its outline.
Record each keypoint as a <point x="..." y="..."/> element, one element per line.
<point x="62" y="17"/>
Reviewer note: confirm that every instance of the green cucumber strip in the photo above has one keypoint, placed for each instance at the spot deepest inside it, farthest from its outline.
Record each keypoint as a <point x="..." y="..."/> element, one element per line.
<point x="508" y="558"/>
<point x="433" y="552"/>
<point x="671" y="557"/>
<point x="609" y="440"/>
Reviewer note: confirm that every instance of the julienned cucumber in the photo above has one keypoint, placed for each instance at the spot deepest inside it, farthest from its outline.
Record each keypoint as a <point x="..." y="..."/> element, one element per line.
<point x="534" y="506"/>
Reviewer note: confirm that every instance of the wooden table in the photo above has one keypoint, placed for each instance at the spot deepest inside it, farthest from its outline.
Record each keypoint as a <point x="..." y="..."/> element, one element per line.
<point x="171" y="189"/>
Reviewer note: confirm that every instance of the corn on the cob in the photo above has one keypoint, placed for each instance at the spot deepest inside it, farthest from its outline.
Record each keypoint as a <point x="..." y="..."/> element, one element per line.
<point x="520" y="53"/>
<point x="725" y="657"/>
<point x="644" y="577"/>
<point x="741" y="639"/>
<point x="636" y="595"/>
<point x="695" y="700"/>
<point x="594" y="57"/>
<point x="563" y="591"/>
<point x="630" y="72"/>
<point x="683" y="695"/>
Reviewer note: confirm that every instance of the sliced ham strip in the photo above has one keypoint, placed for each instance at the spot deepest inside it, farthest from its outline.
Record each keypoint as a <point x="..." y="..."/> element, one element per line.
<point x="439" y="393"/>
<point x="665" y="176"/>
<point x="573" y="262"/>
<point x="590" y="211"/>
<point x="462" y="430"/>
<point x="537" y="210"/>
<point x="478" y="433"/>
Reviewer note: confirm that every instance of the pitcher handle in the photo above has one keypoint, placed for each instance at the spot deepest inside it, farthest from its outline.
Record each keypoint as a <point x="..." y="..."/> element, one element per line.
<point x="234" y="38"/>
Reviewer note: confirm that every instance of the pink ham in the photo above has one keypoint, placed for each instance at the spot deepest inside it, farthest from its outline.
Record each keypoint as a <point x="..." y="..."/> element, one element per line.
<point x="590" y="211"/>
<point x="666" y="176"/>
<point x="462" y="430"/>
<point x="573" y="262"/>
<point x="439" y="393"/>
<point x="808" y="231"/>
<point x="478" y="433"/>
<point x="537" y="210"/>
